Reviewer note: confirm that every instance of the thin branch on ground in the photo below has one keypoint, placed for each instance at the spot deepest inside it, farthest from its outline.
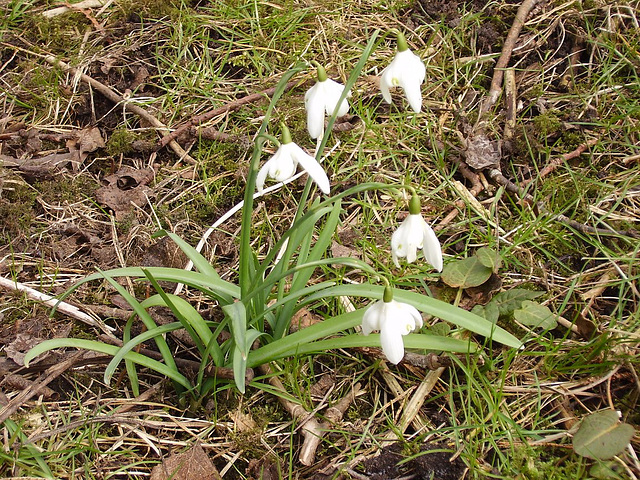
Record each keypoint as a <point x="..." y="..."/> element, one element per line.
<point x="49" y="376"/>
<point x="114" y="97"/>
<point x="312" y="429"/>
<point x="500" y="179"/>
<point x="228" y="107"/>
<point x="476" y="188"/>
<point x="62" y="307"/>
<point x="507" y="49"/>
<point x="556" y="162"/>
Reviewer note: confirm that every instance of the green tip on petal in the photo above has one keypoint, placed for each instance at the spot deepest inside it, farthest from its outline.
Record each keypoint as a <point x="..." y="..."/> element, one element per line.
<point x="414" y="204"/>
<point x="388" y="294"/>
<point x="286" y="134"/>
<point x="402" y="41"/>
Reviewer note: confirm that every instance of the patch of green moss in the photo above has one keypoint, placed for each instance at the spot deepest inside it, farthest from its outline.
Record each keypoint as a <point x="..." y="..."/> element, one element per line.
<point x="547" y="124"/>
<point x="61" y="34"/>
<point x="65" y="189"/>
<point x="16" y="211"/>
<point x="120" y="142"/>
<point x="136" y="10"/>
<point x="536" y="464"/>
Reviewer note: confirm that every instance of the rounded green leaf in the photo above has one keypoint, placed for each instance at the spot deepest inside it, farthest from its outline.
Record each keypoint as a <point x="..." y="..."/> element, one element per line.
<point x="602" y="436"/>
<point x="489" y="258"/>
<point x="465" y="273"/>
<point x="535" y="315"/>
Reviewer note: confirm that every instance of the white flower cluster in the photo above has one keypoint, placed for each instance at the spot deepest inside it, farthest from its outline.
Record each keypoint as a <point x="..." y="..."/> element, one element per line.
<point x="393" y="319"/>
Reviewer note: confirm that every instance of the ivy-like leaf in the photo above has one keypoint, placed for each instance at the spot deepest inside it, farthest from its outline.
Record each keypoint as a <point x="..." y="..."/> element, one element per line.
<point x="535" y="315"/>
<point x="511" y="300"/>
<point x="465" y="273"/>
<point x="489" y="258"/>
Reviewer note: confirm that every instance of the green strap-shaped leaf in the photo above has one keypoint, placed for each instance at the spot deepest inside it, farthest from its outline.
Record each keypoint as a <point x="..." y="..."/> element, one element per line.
<point x="112" y="350"/>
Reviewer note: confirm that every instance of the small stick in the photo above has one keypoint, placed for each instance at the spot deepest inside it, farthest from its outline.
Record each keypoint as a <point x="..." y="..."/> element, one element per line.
<point x="113" y="96"/>
<point x="500" y="179"/>
<point x="62" y="307"/>
<point x="117" y="99"/>
<point x="228" y="107"/>
<point x="211" y="133"/>
<point x="312" y="429"/>
<point x="556" y="162"/>
<point x="511" y="92"/>
<point x="51" y="374"/>
<point x="507" y="49"/>
<point x="476" y="188"/>
<point x="18" y="382"/>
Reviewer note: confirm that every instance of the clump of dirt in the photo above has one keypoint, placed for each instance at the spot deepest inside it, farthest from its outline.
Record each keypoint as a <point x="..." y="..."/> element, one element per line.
<point x="432" y="462"/>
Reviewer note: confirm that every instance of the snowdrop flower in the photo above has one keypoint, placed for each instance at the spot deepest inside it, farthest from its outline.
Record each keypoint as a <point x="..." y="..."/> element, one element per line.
<point x="323" y="98"/>
<point x="393" y="319"/>
<point x="406" y="71"/>
<point x="282" y="165"/>
<point x="415" y="233"/>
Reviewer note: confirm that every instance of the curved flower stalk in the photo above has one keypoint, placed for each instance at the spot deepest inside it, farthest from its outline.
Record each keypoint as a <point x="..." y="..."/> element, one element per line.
<point x="394" y="320"/>
<point x="405" y="71"/>
<point x="322" y="99"/>
<point x="415" y="233"/>
<point x="282" y="165"/>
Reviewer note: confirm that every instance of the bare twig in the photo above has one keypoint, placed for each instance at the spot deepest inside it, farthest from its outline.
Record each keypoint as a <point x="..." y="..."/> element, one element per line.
<point x="228" y="107"/>
<point x="476" y="188"/>
<point x="51" y="374"/>
<point x="312" y="429"/>
<point x="556" y="162"/>
<point x="505" y="56"/>
<point x="500" y="179"/>
<point x="119" y="100"/>
<point x="18" y="382"/>
<point x="60" y="306"/>
<point x="114" y="97"/>
<point x="511" y="94"/>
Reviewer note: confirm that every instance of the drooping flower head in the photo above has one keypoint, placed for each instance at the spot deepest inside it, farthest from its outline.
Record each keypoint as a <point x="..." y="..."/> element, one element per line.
<point x="393" y="320"/>
<point x="415" y="233"/>
<point x="323" y="99"/>
<point x="405" y="71"/>
<point x="282" y="165"/>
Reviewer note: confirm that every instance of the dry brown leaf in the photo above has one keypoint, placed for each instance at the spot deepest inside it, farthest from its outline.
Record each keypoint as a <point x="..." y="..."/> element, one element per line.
<point x="482" y="152"/>
<point x="189" y="465"/>
<point x="24" y="342"/>
<point x="124" y="189"/>
<point x="40" y="166"/>
<point x="243" y="422"/>
<point x="303" y="318"/>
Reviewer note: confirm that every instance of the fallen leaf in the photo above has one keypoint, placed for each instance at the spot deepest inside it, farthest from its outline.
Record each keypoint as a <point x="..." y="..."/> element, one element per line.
<point x="124" y="189"/>
<point x="243" y="422"/>
<point x="482" y="152"/>
<point x="189" y="465"/>
<point x="39" y="166"/>
<point x="303" y="318"/>
<point x="24" y="342"/>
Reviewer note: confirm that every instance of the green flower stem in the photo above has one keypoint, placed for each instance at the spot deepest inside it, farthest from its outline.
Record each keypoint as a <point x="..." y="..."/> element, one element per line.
<point x="246" y="255"/>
